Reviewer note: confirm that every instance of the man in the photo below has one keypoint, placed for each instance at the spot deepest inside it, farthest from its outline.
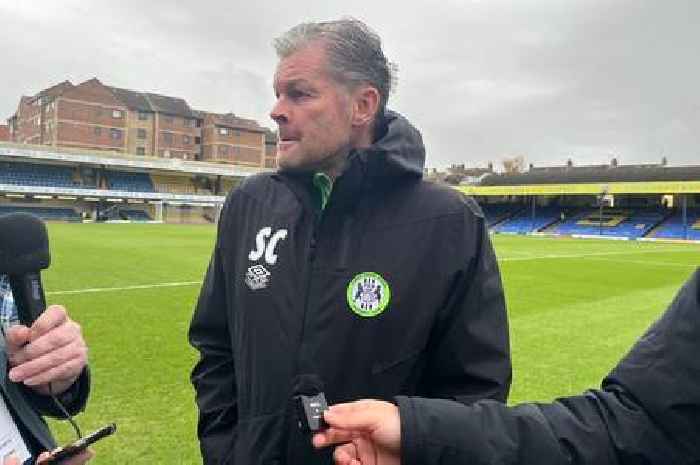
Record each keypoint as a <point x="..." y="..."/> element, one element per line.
<point x="344" y="271"/>
<point x="647" y="412"/>
<point x="50" y="357"/>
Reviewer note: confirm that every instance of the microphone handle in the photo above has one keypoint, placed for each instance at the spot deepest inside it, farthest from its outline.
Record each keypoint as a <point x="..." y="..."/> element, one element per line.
<point x="29" y="297"/>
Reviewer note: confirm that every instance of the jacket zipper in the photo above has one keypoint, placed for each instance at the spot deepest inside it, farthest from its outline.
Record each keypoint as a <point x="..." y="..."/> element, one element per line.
<point x="307" y="293"/>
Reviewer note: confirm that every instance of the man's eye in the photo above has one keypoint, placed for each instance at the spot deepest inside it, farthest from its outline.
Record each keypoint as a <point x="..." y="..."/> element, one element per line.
<point x="297" y="94"/>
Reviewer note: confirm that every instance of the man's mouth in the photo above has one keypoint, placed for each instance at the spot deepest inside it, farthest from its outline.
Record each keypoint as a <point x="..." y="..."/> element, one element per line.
<point x="286" y="142"/>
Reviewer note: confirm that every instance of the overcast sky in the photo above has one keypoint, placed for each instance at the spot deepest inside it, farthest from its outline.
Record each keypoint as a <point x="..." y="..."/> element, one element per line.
<point x="482" y="80"/>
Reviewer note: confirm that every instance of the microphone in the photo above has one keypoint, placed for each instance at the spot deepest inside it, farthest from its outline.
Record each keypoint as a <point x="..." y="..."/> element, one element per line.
<point x="24" y="252"/>
<point x="310" y="402"/>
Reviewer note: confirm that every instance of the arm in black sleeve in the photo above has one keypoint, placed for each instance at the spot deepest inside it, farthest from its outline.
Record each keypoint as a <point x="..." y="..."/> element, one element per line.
<point x="72" y="399"/>
<point x="469" y="351"/>
<point x="647" y="412"/>
<point x="213" y="377"/>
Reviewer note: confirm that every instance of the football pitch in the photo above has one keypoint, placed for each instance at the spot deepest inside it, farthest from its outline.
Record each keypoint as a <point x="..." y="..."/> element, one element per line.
<point x="575" y="308"/>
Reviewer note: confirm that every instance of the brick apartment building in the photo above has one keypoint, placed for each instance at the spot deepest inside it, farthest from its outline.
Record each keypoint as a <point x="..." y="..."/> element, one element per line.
<point x="270" y="149"/>
<point x="229" y="138"/>
<point x="97" y="117"/>
<point x="4" y="133"/>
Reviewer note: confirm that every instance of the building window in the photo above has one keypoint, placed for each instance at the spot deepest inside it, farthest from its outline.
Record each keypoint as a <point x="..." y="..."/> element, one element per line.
<point x="143" y="116"/>
<point x="223" y="150"/>
<point x="140" y="151"/>
<point x="168" y="119"/>
<point x="115" y="134"/>
<point x="168" y="137"/>
<point x="117" y="114"/>
<point x="223" y="131"/>
<point x="238" y="133"/>
<point x="98" y="131"/>
<point x="141" y="133"/>
<point x="197" y="140"/>
<point x="187" y="140"/>
<point x="188" y="122"/>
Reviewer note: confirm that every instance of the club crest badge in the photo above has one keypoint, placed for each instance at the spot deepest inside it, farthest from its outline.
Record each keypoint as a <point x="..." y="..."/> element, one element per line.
<point x="368" y="294"/>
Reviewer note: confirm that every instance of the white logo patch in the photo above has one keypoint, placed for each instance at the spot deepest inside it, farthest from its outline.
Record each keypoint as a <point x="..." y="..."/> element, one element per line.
<point x="265" y="247"/>
<point x="257" y="277"/>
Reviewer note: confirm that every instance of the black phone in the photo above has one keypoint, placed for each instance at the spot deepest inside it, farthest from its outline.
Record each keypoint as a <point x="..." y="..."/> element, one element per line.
<point x="69" y="450"/>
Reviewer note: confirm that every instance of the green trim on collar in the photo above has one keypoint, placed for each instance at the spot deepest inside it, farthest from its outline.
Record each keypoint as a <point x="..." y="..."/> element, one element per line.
<point x="324" y="186"/>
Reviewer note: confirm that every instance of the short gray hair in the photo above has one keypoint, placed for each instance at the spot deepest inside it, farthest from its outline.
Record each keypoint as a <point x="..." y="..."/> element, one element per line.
<point x="354" y="53"/>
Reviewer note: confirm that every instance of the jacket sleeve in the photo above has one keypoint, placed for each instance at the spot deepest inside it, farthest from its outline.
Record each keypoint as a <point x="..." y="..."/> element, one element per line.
<point x="213" y="377"/>
<point x="646" y="412"/>
<point x="73" y="399"/>
<point x="469" y="351"/>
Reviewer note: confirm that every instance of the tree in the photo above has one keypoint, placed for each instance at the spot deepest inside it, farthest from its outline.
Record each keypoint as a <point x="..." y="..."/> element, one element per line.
<point x="514" y="165"/>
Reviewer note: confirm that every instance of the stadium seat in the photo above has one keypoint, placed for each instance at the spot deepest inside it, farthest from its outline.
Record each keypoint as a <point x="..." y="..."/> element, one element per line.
<point x="498" y="212"/>
<point x="135" y="215"/>
<point x="45" y="213"/>
<point x="130" y="182"/>
<point x="523" y="221"/>
<point x="628" y="222"/>
<point x="30" y="174"/>
<point x="673" y="227"/>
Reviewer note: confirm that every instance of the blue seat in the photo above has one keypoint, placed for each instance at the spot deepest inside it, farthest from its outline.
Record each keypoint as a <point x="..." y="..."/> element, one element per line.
<point x="130" y="182"/>
<point x="523" y="222"/>
<point x="45" y="213"/>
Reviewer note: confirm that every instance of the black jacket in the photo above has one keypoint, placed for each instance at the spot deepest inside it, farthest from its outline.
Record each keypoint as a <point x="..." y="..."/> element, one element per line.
<point x="276" y="302"/>
<point x="646" y="413"/>
<point x="27" y="407"/>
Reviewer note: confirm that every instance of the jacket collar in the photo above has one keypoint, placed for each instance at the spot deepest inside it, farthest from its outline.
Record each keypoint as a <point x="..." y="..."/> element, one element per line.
<point x="396" y="156"/>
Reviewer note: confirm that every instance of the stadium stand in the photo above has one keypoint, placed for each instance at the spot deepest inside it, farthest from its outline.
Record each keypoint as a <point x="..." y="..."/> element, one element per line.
<point x="588" y="174"/>
<point x="45" y="213"/>
<point x="129" y="182"/>
<point x="173" y="184"/>
<point x="31" y="174"/>
<point x="523" y="222"/>
<point x="613" y="222"/>
<point x="135" y="215"/>
<point x="103" y="187"/>
<point x="673" y="227"/>
<point x="497" y="212"/>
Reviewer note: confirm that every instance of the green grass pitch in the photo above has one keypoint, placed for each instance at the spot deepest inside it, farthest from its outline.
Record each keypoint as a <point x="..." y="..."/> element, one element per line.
<point x="575" y="308"/>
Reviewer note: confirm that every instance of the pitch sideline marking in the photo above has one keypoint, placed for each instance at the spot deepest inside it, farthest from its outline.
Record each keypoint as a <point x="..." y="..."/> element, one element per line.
<point x="640" y="262"/>
<point x="511" y="259"/>
<point x="586" y="255"/>
<point x="125" y="288"/>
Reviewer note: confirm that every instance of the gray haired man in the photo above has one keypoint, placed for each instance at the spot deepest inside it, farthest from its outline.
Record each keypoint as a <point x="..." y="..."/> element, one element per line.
<point x="344" y="271"/>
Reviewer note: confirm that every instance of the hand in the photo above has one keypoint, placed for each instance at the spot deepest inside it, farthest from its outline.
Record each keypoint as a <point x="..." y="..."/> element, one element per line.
<point x="79" y="459"/>
<point x="368" y="431"/>
<point x="51" y="351"/>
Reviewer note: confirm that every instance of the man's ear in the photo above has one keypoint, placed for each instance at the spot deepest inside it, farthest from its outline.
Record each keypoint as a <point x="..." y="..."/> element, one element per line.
<point x="365" y="105"/>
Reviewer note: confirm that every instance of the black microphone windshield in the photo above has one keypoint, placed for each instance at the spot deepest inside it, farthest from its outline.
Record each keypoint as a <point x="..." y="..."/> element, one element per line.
<point x="24" y="244"/>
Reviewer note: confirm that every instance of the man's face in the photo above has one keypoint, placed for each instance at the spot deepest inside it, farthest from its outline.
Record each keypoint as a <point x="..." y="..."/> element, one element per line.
<point x="313" y="113"/>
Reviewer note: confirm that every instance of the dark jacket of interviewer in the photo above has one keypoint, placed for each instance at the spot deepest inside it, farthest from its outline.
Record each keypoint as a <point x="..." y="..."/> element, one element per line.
<point x="647" y="411"/>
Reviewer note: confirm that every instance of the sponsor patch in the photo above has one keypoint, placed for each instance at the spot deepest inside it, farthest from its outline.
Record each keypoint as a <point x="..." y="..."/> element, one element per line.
<point x="257" y="277"/>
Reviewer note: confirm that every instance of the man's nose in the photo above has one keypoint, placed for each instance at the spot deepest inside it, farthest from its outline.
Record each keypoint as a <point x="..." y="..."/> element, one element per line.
<point x="279" y="112"/>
